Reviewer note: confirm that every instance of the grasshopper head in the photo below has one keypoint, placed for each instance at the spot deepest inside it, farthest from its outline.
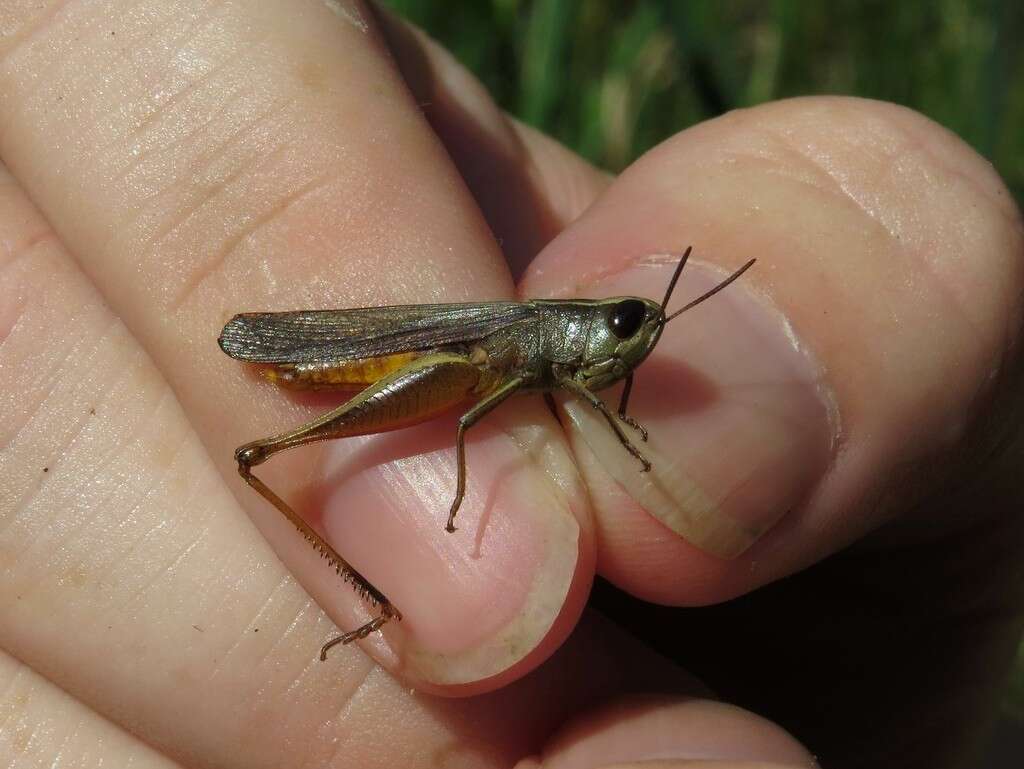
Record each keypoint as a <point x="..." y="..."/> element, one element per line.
<point x="626" y="329"/>
<point x="623" y="333"/>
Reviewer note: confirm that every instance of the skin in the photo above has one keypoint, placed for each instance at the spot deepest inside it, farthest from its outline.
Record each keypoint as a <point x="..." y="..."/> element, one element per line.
<point x="169" y="165"/>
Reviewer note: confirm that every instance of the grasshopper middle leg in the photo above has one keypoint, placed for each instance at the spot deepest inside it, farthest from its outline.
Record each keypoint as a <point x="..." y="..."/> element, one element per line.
<point x="469" y="419"/>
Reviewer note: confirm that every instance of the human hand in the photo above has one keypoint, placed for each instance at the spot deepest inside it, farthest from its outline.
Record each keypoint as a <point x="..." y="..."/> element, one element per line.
<point x="188" y="162"/>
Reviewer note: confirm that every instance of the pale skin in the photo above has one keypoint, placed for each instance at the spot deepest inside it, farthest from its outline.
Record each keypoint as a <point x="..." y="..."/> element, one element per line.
<point x="186" y="162"/>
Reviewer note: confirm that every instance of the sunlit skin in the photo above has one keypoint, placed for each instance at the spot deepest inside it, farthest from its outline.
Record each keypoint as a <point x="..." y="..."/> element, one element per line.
<point x="171" y="164"/>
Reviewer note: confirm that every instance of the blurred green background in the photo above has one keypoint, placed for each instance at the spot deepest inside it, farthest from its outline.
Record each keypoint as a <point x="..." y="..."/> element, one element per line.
<point x="612" y="78"/>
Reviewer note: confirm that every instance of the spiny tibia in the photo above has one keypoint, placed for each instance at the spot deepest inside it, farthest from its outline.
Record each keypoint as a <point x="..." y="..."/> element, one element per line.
<point x="343" y="571"/>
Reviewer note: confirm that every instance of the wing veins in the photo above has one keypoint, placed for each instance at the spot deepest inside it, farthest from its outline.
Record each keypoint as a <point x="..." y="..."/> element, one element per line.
<point x="323" y="336"/>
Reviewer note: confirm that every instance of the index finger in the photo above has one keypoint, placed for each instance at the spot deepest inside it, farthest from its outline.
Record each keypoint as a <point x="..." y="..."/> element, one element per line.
<point x="273" y="160"/>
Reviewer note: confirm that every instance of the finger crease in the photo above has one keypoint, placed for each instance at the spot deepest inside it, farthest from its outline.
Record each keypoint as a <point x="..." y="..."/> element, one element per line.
<point x="227" y="250"/>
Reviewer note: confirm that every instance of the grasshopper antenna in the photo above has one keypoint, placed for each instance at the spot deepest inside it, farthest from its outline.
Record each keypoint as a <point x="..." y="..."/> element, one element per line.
<point x="624" y="399"/>
<point x="675" y="278"/>
<point x="705" y="295"/>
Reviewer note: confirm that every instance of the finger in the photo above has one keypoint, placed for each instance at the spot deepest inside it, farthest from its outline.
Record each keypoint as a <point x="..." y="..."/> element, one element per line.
<point x="244" y="165"/>
<point x="128" y="573"/>
<point x="43" y="726"/>
<point x="130" y="579"/>
<point x="528" y="186"/>
<point x="696" y="764"/>
<point x="793" y="409"/>
<point x="661" y="731"/>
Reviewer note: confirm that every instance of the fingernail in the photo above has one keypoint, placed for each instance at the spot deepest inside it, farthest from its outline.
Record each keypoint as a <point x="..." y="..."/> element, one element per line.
<point x="476" y="601"/>
<point x="740" y="420"/>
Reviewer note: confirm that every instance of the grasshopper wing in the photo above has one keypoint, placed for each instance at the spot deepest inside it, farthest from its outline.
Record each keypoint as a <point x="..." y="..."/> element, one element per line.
<point x="322" y="336"/>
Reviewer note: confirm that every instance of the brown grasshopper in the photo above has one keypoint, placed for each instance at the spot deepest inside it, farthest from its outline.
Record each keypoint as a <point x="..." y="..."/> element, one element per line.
<point x="416" y="361"/>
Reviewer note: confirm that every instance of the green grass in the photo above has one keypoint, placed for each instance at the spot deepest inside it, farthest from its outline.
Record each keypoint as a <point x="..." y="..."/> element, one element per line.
<point x="612" y="78"/>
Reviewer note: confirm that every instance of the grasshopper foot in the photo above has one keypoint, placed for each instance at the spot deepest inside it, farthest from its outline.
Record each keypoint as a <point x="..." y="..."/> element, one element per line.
<point x="635" y="425"/>
<point x="450" y="526"/>
<point x="387" y="612"/>
<point x="644" y="462"/>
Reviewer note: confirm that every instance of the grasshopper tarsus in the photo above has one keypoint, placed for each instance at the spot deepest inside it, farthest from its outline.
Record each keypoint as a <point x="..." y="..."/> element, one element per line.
<point x="645" y="464"/>
<point x="387" y="613"/>
<point x="450" y="525"/>
<point x="329" y="645"/>
<point x="635" y="425"/>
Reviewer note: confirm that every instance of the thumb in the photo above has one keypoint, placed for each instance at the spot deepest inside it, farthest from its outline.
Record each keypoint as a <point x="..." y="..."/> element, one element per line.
<point x="792" y="408"/>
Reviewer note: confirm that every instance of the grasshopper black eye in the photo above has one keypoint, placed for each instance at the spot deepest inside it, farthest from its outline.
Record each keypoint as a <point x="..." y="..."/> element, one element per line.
<point x="626" y="318"/>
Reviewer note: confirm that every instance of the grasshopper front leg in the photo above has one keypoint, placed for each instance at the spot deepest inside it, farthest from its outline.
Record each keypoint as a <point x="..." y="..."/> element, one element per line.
<point x="414" y="393"/>
<point x="571" y="385"/>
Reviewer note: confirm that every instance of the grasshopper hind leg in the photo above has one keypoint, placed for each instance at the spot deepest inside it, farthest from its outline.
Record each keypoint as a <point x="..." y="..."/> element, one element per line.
<point x="249" y="455"/>
<point x="419" y="390"/>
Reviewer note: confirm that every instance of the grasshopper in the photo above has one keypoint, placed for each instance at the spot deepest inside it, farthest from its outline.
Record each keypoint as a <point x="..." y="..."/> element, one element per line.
<point x="414" y="362"/>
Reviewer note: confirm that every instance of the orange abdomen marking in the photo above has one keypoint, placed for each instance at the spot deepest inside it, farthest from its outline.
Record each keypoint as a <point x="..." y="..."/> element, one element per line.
<point x="341" y="375"/>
